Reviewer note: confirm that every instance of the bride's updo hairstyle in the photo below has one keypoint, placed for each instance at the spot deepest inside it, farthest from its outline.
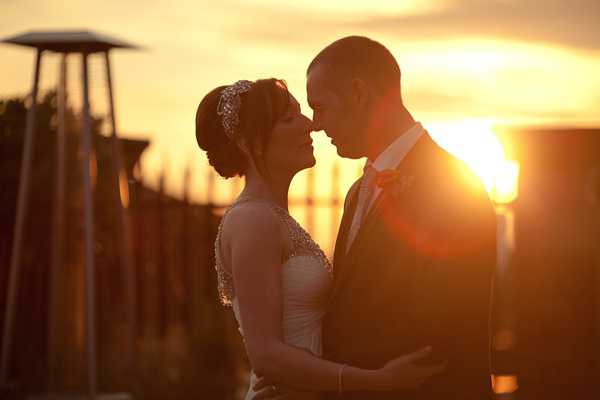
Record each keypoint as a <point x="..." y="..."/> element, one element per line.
<point x="262" y="105"/>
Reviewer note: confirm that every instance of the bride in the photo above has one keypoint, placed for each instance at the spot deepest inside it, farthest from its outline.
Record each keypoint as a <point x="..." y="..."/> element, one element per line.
<point x="269" y="270"/>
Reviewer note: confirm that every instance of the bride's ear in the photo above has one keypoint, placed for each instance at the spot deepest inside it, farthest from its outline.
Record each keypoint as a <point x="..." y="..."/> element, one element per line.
<point x="245" y="144"/>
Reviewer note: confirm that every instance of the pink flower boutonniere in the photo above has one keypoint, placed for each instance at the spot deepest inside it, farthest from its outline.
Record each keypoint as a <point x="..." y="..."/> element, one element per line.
<point x="394" y="182"/>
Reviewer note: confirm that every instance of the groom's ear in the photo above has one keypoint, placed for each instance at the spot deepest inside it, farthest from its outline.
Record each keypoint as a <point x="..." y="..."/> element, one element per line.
<point x="359" y="92"/>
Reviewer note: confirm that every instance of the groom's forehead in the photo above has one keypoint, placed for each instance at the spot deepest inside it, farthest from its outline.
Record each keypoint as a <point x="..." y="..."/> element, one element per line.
<point x="314" y="98"/>
<point x="316" y="89"/>
<point x="316" y="77"/>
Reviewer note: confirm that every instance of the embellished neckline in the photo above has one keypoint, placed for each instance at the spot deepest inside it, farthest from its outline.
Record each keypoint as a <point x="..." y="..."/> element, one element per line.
<point x="255" y="200"/>
<point x="301" y="242"/>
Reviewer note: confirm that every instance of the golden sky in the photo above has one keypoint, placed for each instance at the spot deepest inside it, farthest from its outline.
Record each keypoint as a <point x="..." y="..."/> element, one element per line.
<point x="463" y="61"/>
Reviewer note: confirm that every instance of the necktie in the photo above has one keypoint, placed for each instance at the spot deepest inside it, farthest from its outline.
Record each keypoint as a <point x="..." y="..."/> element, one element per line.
<point x="364" y="195"/>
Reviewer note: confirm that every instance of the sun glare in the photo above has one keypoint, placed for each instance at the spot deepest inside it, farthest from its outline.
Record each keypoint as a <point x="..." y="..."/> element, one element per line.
<point x="506" y="179"/>
<point x="473" y="142"/>
<point x="501" y="79"/>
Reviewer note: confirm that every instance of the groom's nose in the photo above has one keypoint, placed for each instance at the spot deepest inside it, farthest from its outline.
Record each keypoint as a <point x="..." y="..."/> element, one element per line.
<point x="317" y="125"/>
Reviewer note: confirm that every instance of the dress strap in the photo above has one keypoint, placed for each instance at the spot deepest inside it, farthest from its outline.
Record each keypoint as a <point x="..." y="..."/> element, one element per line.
<point x="224" y="277"/>
<point x="301" y="245"/>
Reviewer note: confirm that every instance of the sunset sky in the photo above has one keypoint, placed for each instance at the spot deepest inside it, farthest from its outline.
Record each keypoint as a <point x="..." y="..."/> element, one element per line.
<point x="465" y="63"/>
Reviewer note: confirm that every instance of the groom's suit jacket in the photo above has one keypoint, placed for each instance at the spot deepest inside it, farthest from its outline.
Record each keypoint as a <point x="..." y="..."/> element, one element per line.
<point x="419" y="272"/>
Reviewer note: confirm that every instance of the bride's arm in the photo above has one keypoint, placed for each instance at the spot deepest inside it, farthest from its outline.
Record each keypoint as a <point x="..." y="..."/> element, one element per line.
<point x="257" y="245"/>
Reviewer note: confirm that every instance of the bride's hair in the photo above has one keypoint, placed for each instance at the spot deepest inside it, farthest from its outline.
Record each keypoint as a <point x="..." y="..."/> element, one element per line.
<point x="265" y="102"/>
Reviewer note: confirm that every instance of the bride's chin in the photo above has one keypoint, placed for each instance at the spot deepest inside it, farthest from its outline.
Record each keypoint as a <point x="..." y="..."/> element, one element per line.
<point x="308" y="165"/>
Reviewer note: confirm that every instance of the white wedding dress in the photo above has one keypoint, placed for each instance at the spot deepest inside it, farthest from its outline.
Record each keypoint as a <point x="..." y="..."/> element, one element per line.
<point x="306" y="285"/>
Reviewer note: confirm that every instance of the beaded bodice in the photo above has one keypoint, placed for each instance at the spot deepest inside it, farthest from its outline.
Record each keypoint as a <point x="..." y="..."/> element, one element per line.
<point x="301" y="245"/>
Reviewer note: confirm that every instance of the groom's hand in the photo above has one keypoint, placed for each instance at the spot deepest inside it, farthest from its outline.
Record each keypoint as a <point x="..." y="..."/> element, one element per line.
<point x="266" y="389"/>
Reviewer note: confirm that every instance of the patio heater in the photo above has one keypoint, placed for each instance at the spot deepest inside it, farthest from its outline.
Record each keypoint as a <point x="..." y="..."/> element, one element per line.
<point x="83" y="43"/>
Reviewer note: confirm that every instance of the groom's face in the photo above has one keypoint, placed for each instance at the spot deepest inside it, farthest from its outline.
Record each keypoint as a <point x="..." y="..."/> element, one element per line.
<point x="334" y="113"/>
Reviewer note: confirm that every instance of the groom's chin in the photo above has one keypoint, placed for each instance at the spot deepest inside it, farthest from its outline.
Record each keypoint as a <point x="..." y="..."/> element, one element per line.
<point x="347" y="154"/>
<point x="349" y="149"/>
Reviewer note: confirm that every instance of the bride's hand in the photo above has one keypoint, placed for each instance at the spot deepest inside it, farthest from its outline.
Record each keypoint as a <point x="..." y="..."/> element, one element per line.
<point x="266" y="389"/>
<point x="403" y="373"/>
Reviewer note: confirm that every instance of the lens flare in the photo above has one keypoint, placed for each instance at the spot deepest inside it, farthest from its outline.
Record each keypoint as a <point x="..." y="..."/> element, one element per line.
<point x="473" y="141"/>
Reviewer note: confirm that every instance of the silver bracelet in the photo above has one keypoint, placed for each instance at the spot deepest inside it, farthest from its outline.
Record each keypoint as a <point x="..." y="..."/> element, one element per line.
<point x="340" y="377"/>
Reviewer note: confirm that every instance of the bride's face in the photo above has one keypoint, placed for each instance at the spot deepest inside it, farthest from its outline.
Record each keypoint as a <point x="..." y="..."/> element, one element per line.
<point x="290" y="147"/>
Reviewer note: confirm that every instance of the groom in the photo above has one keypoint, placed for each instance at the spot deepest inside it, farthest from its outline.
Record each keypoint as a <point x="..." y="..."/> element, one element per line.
<point x="416" y="248"/>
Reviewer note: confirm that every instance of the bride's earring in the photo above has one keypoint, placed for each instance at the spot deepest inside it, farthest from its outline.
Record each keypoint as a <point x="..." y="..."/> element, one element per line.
<point x="258" y="151"/>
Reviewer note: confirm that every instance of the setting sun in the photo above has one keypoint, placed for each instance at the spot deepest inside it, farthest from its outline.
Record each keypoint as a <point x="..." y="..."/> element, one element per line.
<point x="473" y="142"/>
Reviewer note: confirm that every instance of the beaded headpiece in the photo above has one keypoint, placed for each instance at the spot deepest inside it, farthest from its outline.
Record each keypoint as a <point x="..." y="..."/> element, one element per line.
<point x="230" y="104"/>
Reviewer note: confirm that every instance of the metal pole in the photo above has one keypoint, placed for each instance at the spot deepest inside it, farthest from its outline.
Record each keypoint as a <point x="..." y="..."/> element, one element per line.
<point x="163" y="283"/>
<point x="598" y="291"/>
<point x="89" y="236"/>
<point x="58" y="239"/>
<point x="125" y="230"/>
<point x="15" y="260"/>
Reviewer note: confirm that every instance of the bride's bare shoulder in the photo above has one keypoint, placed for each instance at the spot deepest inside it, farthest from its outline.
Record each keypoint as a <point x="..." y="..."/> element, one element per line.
<point x="251" y="218"/>
<point x="252" y="230"/>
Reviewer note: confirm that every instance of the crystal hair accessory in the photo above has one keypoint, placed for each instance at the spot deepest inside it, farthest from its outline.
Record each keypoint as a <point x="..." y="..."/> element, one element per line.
<point x="230" y="104"/>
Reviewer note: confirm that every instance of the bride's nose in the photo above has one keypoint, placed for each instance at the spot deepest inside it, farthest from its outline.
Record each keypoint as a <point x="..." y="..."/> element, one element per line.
<point x="308" y="123"/>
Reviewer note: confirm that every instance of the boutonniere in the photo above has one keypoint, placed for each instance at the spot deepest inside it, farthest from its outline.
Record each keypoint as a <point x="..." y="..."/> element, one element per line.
<point x="394" y="182"/>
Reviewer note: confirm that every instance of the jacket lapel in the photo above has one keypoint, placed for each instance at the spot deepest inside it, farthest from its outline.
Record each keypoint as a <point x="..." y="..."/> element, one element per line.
<point x="344" y="263"/>
<point x="340" y="244"/>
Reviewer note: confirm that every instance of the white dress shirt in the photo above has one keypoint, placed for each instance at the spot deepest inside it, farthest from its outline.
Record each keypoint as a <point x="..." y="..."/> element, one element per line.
<point x="391" y="157"/>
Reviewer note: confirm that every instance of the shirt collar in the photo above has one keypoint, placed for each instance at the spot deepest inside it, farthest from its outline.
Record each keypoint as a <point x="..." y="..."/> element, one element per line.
<point x="391" y="157"/>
